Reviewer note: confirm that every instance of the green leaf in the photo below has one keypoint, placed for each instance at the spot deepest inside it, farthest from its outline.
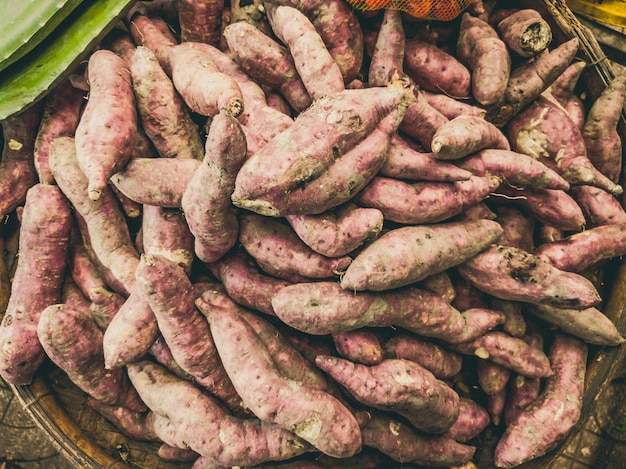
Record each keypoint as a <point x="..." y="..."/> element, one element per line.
<point x="24" y="24"/>
<point x="31" y="77"/>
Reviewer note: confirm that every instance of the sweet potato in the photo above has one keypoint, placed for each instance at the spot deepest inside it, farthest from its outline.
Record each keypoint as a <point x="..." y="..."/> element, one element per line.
<point x="206" y="198"/>
<point x="192" y="417"/>
<point x="339" y="232"/>
<point x="403" y="444"/>
<point x="439" y="361"/>
<point x="130" y="422"/>
<point x="172" y="453"/>
<point x="536" y="430"/>
<point x="598" y="206"/>
<point x="61" y="114"/>
<point x="440" y="284"/>
<point x="267" y="61"/>
<point x="197" y="78"/>
<point x="404" y="162"/>
<point x="528" y="81"/>
<point x="510" y="352"/>
<point x="400" y="386"/>
<point x="388" y="54"/>
<point x="418" y="251"/>
<point x="17" y="170"/>
<point x="252" y="13"/>
<point x="171" y="297"/>
<point x="435" y="70"/>
<point x="424" y="202"/>
<point x="314" y="415"/>
<point x="518" y="226"/>
<point x="317" y="68"/>
<point x="156" y="181"/>
<point x="421" y="121"/>
<point x="106" y="132"/>
<point x="73" y="342"/>
<point x="450" y="107"/>
<point x="487" y="57"/>
<point x="544" y="131"/>
<point x="563" y="88"/>
<point x="602" y="140"/>
<point x="83" y="270"/>
<point x="245" y="283"/>
<point x="154" y="33"/>
<point x="511" y="273"/>
<point x="359" y="346"/>
<point x="37" y="281"/>
<point x="580" y="251"/>
<point x="339" y="28"/>
<point x="464" y="135"/>
<point x="164" y="116"/>
<point x="525" y="32"/>
<point x="515" y="322"/>
<point x="200" y="20"/>
<point x="590" y="324"/>
<point x="492" y="380"/>
<point x="325" y="308"/>
<point x="104" y="228"/>
<point x="280" y="252"/>
<point x="515" y="168"/>
<point x="341" y="121"/>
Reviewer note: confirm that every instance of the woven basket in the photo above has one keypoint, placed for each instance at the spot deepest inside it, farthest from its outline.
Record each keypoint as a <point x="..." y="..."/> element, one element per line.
<point x="90" y="442"/>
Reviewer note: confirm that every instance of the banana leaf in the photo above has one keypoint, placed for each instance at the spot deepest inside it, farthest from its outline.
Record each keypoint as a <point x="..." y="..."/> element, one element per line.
<point x="24" y="24"/>
<point x="30" y="78"/>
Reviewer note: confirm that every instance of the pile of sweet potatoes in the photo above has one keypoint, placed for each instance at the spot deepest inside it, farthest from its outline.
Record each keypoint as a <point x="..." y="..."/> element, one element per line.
<point x="320" y="237"/>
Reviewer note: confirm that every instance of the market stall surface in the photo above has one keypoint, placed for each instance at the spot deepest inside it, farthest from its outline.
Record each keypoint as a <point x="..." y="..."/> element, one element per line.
<point x="22" y="444"/>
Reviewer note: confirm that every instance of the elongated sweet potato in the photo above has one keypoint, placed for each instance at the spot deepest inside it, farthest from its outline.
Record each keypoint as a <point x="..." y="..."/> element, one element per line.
<point x="280" y="252"/>
<point x="492" y="380"/>
<point x="515" y="168"/>
<point x="337" y="233"/>
<point x="193" y="417"/>
<point x="511" y="273"/>
<point x="435" y="70"/>
<point x="487" y="56"/>
<point x="154" y="33"/>
<point x="518" y="226"/>
<point x="164" y="116"/>
<point x="104" y="228"/>
<point x="325" y="308"/>
<point x="424" y="202"/>
<point x="267" y="61"/>
<point x="314" y="415"/>
<point x="37" y="281"/>
<point x="341" y="121"/>
<point x="535" y="430"/>
<point x="401" y="443"/>
<point x="450" y="107"/>
<point x="418" y="251"/>
<point x="529" y="80"/>
<point x="439" y="361"/>
<point x="206" y="198"/>
<point x="388" y="54"/>
<point x="464" y="135"/>
<point x="73" y="341"/>
<point x="61" y="114"/>
<point x="590" y="324"/>
<point x="171" y="296"/>
<point x="404" y="162"/>
<point x="317" y="68"/>
<point x="422" y="120"/>
<point x="359" y="346"/>
<point x="580" y="251"/>
<point x="106" y="132"/>
<point x="400" y="386"/>
<point x="472" y="420"/>
<point x="602" y="140"/>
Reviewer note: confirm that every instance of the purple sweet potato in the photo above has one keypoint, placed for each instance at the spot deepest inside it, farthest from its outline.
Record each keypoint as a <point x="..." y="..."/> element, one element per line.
<point x="511" y="273"/>
<point x="545" y="422"/>
<point x="418" y="251"/>
<point x="388" y="54"/>
<point x="37" y="281"/>
<point x="525" y="32"/>
<point x="598" y="206"/>
<point x="359" y="346"/>
<point x="439" y="361"/>
<point x="200" y="20"/>
<point x="464" y="135"/>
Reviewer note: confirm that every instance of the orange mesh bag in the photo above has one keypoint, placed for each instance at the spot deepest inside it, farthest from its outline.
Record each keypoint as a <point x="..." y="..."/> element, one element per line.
<point x="442" y="10"/>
